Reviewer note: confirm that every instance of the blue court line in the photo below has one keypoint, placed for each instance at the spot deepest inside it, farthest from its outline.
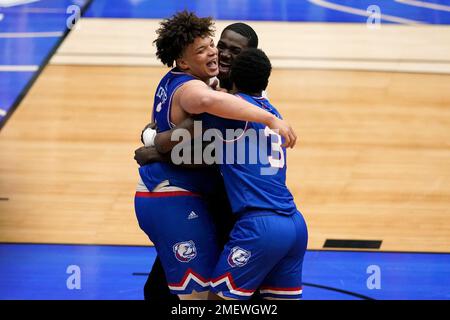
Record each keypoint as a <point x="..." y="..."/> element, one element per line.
<point x="39" y="271"/>
<point x="264" y="10"/>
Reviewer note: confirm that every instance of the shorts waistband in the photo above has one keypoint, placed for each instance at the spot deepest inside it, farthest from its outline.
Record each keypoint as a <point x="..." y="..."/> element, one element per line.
<point x="256" y="213"/>
<point x="140" y="194"/>
<point x="263" y="212"/>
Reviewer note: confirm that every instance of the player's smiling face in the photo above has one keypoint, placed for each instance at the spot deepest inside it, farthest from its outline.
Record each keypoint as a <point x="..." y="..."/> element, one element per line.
<point x="200" y="59"/>
<point x="230" y="45"/>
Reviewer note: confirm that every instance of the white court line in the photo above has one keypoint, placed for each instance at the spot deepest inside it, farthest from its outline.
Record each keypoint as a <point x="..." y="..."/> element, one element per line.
<point x="1" y="16"/>
<point x="359" y="12"/>
<point x="55" y="34"/>
<point x="44" y="10"/>
<point x="31" y="68"/>
<point x="11" y="3"/>
<point x="2" y="113"/>
<point x="423" y="4"/>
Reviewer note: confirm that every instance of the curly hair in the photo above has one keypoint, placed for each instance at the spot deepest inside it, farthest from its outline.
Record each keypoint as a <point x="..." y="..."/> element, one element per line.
<point x="179" y="31"/>
<point x="250" y="71"/>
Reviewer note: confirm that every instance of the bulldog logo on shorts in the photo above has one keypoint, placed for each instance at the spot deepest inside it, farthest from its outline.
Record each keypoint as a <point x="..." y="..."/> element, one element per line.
<point x="238" y="257"/>
<point x="185" y="251"/>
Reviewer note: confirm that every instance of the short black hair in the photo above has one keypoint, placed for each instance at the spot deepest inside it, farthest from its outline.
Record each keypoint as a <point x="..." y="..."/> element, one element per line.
<point x="250" y="71"/>
<point x="179" y="31"/>
<point x="246" y="31"/>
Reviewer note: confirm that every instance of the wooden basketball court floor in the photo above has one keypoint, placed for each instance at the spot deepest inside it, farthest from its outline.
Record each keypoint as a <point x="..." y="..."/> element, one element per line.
<point x="371" y="109"/>
<point x="370" y="104"/>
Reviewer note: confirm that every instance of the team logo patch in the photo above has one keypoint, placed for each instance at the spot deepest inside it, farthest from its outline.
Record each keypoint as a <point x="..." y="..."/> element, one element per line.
<point x="238" y="257"/>
<point x="185" y="251"/>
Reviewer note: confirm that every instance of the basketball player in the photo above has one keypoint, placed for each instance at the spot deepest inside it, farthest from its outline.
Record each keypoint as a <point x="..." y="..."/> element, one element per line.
<point x="234" y="38"/>
<point x="186" y="242"/>
<point x="268" y="242"/>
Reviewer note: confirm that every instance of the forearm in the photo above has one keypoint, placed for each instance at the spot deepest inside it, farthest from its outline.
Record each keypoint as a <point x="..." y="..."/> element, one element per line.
<point x="163" y="141"/>
<point x="227" y="106"/>
<point x="146" y="155"/>
<point x="232" y="107"/>
<point x="195" y="98"/>
<point x="189" y="163"/>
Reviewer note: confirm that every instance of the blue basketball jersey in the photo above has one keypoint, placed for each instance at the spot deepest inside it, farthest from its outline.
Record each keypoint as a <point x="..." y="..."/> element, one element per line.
<point x="196" y="180"/>
<point x="253" y="169"/>
<point x="163" y="97"/>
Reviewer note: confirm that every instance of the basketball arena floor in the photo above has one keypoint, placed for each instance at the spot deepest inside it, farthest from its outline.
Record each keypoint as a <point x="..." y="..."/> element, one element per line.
<point x="369" y="99"/>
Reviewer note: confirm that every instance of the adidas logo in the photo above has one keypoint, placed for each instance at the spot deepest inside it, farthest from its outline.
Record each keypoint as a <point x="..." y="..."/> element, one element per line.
<point x="192" y="215"/>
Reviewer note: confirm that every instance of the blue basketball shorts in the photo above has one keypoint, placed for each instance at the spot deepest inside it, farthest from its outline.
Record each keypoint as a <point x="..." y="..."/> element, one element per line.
<point x="265" y="252"/>
<point x="184" y="236"/>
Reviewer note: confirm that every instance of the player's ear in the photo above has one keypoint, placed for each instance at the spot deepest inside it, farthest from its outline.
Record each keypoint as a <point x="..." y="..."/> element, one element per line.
<point x="182" y="64"/>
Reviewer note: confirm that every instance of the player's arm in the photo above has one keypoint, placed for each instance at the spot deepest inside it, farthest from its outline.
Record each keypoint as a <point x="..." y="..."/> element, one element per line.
<point x="157" y="146"/>
<point x="148" y="153"/>
<point x="145" y="155"/>
<point x="196" y="97"/>
<point x="163" y="140"/>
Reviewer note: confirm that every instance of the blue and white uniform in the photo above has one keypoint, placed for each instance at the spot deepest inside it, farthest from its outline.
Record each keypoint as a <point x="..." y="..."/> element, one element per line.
<point x="268" y="242"/>
<point x="171" y="210"/>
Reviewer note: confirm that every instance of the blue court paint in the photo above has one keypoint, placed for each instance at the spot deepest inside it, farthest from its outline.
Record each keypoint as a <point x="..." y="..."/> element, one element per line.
<point x="11" y="86"/>
<point x="34" y="271"/>
<point x="25" y="51"/>
<point x="402" y="10"/>
<point x="49" y="16"/>
<point x="39" y="271"/>
<point x="44" y="15"/>
<point x="33" y="22"/>
<point x="403" y="275"/>
<point x="266" y="10"/>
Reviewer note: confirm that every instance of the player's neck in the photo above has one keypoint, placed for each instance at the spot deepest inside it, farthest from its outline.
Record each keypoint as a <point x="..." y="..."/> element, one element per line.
<point x="253" y="94"/>
<point x="189" y="73"/>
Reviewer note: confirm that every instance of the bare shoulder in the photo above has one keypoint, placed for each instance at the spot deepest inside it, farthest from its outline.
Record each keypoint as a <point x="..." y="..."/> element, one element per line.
<point x="193" y="84"/>
<point x="185" y="99"/>
<point x="189" y="88"/>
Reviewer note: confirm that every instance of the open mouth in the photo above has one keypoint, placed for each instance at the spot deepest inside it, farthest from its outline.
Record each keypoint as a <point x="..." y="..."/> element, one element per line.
<point x="224" y="67"/>
<point x="212" y="64"/>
